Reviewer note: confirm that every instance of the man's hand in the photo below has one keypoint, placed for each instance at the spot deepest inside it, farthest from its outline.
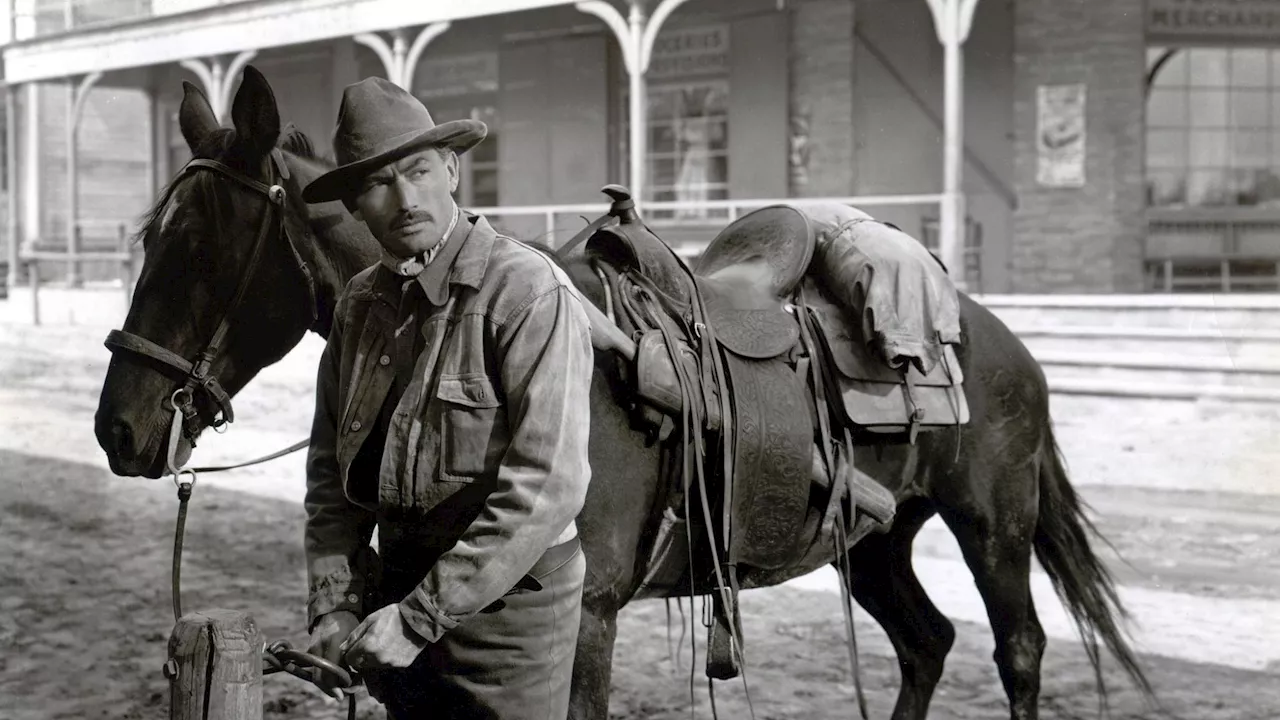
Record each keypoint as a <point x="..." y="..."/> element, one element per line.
<point x="383" y="640"/>
<point x="326" y="642"/>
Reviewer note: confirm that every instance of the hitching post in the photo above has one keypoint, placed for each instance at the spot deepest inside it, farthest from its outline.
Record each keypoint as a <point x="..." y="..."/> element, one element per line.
<point x="215" y="667"/>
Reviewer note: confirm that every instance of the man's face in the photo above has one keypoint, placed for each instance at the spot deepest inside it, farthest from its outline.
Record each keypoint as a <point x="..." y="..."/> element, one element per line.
<point x="407" y="204"/>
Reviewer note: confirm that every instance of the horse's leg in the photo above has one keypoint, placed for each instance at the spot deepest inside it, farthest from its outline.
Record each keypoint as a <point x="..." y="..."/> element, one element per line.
<point x="593" y="662"/>
<point x="995" y="534"/>
<point x="885" y="585"/>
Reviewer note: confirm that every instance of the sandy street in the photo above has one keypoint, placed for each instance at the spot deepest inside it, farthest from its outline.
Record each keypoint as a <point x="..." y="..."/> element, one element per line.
<point x="1185" y="492"/>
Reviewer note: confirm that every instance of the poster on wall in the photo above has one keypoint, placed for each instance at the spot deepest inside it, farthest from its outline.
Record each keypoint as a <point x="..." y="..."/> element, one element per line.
<point x="1060" y="136"/>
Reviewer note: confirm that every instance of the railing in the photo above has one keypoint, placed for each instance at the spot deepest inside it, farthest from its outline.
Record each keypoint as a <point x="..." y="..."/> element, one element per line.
<point x="120" y="255"/>
<point x="690" y="227"/>
<point x="1210" y="250"/>
<point x="41" y="18"/>
<point x="694" y="222"/>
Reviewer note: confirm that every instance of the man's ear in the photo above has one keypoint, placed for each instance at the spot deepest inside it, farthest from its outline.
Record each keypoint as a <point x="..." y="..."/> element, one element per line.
<point x="451" y="164"/>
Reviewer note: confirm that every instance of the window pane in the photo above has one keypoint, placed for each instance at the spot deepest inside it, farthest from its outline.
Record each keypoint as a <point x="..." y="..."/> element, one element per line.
<point x="1250" y="109"/>
<point x="660" y="107"/>
<point x="1268" y="188"/>
<point x="719" y="135"/>
<point x="1174" y="71"/>
<point x="1209" y="149"/>
<point x="662" y="139"/>
<point x="664" y="172"/>
<point x="1252" y="148"/>
<point x="1244" y="187"/>
<point x="1208" y="67"/>
<point x="1166" y="148"/>
<point x="1208" y="108"/>
<point x="1249" y="67"/>
<point x="1167" y="108"/>
<point x="1166" y="187"/>
<point x="1207" y="187"/>
<point x="719" y="169"/>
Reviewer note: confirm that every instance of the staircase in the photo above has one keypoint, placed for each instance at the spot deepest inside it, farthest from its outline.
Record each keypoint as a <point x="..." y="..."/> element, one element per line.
<point x="1155" y="346"/>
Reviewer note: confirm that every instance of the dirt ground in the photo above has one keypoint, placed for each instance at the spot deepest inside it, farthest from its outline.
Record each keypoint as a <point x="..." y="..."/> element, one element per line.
<point x="1182" y="490"/>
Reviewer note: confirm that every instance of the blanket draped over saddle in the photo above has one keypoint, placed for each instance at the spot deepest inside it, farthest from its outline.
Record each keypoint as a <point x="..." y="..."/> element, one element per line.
<point x="799" y="333"/>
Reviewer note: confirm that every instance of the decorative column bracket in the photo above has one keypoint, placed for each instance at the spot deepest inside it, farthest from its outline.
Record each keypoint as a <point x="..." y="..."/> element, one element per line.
<point x="218" y="81"/>
<point x="78" y="93"/>
<point x="400" y="59"/>
<point x="636" y="36"/>
<point x="952" y="18"/>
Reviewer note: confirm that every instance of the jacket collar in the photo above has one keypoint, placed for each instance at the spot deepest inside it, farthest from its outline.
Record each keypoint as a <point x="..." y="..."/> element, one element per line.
<point x="463" y="261"/>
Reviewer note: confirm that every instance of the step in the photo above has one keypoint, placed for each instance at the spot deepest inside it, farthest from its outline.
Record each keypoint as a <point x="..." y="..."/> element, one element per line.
<point x="1233" y="344"/>
<point x="1160" y="369"/>
<point x="1256" y="312"/>
<point x="1163" y="391"/>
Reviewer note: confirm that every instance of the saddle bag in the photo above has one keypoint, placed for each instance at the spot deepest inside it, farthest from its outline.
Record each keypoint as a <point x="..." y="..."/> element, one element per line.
<point x="886" y="400"/>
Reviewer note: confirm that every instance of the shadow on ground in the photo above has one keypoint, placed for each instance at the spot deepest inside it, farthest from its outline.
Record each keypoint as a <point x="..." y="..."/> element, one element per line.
<point x="85" y="615"/>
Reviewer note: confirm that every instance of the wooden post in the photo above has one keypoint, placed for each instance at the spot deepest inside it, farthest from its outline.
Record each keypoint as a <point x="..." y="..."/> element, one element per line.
<point x="126" y="265"/>
<point x="215" y="667"/>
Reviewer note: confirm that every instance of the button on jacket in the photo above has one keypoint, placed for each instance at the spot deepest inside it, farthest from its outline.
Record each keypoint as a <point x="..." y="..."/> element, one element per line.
<point x="493" y="419"/>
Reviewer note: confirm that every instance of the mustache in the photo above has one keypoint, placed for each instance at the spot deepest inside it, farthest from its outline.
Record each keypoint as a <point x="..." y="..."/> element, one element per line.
<point x="410" y="217"/>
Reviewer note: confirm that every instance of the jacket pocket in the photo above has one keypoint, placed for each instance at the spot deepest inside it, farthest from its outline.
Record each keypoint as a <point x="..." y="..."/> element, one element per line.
<point x="471" y="426"/>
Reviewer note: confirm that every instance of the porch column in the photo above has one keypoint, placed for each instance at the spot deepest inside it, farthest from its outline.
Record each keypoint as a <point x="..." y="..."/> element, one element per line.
<point x="636" y="35"/>
<point x="11" y="178"/>
<point x="952" y="20"/>
<point x="77" y="93"/>
<point x="218" y="80"/>
<point x="400" y="58"/>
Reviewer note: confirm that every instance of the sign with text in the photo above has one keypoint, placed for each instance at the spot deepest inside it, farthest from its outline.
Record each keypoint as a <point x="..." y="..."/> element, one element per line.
<point x="685" y="52"/>
<point x="453" y="75"/>
<point x="1213" y="19"/>
<point x="1060" y="136"/>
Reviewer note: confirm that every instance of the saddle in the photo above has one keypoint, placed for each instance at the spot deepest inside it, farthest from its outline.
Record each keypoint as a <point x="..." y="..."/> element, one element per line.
<point x="730" y="353"/>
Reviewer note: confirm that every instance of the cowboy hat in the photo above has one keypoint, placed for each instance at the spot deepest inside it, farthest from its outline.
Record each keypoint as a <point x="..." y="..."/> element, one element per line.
<point x="378" y="123"/>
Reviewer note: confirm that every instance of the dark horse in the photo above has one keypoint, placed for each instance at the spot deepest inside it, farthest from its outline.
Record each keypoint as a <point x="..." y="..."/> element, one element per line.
<point x="1003" y="492"/>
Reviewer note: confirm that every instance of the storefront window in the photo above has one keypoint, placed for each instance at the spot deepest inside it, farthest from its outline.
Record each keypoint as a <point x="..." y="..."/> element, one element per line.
<point x="1213" y="127"/>
<point x="687" y="149"/>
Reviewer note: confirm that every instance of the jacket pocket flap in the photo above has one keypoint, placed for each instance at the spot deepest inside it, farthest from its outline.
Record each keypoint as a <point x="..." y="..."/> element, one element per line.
<point x="471" y="390"/>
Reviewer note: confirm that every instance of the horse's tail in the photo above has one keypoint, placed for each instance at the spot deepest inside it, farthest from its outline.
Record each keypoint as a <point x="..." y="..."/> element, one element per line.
<point x="1081" y="580"/>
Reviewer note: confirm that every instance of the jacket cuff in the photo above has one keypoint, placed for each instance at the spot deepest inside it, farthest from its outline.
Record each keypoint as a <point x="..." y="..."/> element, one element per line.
<point x="332" y="595"/>
<point x="424" y="617"/>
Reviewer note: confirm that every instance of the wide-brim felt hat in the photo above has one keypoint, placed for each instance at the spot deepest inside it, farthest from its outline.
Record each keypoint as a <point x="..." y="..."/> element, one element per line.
<point x="378" y="123"/>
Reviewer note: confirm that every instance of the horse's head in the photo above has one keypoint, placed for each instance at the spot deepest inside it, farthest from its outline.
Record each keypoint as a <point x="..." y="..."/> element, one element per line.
<point x="222" y="293"/>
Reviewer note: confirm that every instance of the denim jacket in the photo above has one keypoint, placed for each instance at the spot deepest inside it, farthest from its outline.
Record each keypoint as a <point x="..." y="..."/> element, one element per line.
<point x="496" y="411"/>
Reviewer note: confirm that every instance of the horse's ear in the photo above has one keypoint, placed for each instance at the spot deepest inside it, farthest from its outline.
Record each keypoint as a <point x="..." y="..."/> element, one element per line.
<point x="195" y="116"/>
<point x="254" y="114"/>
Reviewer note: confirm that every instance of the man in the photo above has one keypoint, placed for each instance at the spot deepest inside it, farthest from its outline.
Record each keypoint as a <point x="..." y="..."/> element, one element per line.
<point x="452" y="413"/>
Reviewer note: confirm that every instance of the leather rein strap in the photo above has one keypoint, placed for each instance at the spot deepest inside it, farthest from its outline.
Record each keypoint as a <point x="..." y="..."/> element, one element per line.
<point x="195" y="375"/>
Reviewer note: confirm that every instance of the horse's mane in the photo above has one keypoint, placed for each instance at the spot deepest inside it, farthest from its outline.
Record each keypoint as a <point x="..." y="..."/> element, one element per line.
<point x="220" y="145"/>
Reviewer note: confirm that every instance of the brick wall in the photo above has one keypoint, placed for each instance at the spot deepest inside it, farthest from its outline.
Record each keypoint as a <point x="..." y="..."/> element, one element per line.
<point x="1081" y="239"/>
<point x="822" y="90"/>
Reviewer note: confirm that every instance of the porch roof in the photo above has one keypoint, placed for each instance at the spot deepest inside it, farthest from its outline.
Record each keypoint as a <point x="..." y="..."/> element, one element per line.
<point x="228" y="28"/>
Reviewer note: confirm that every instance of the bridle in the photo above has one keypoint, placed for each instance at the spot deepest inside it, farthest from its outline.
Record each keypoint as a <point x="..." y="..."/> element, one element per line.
<point x="195" y="375"/>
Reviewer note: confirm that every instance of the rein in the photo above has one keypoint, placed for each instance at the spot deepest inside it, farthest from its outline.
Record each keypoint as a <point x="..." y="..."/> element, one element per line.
<point x="196" y="377"/>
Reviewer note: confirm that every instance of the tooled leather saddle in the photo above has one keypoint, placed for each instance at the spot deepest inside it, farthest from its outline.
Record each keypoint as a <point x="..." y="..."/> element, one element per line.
<point x="730" y="355"/>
